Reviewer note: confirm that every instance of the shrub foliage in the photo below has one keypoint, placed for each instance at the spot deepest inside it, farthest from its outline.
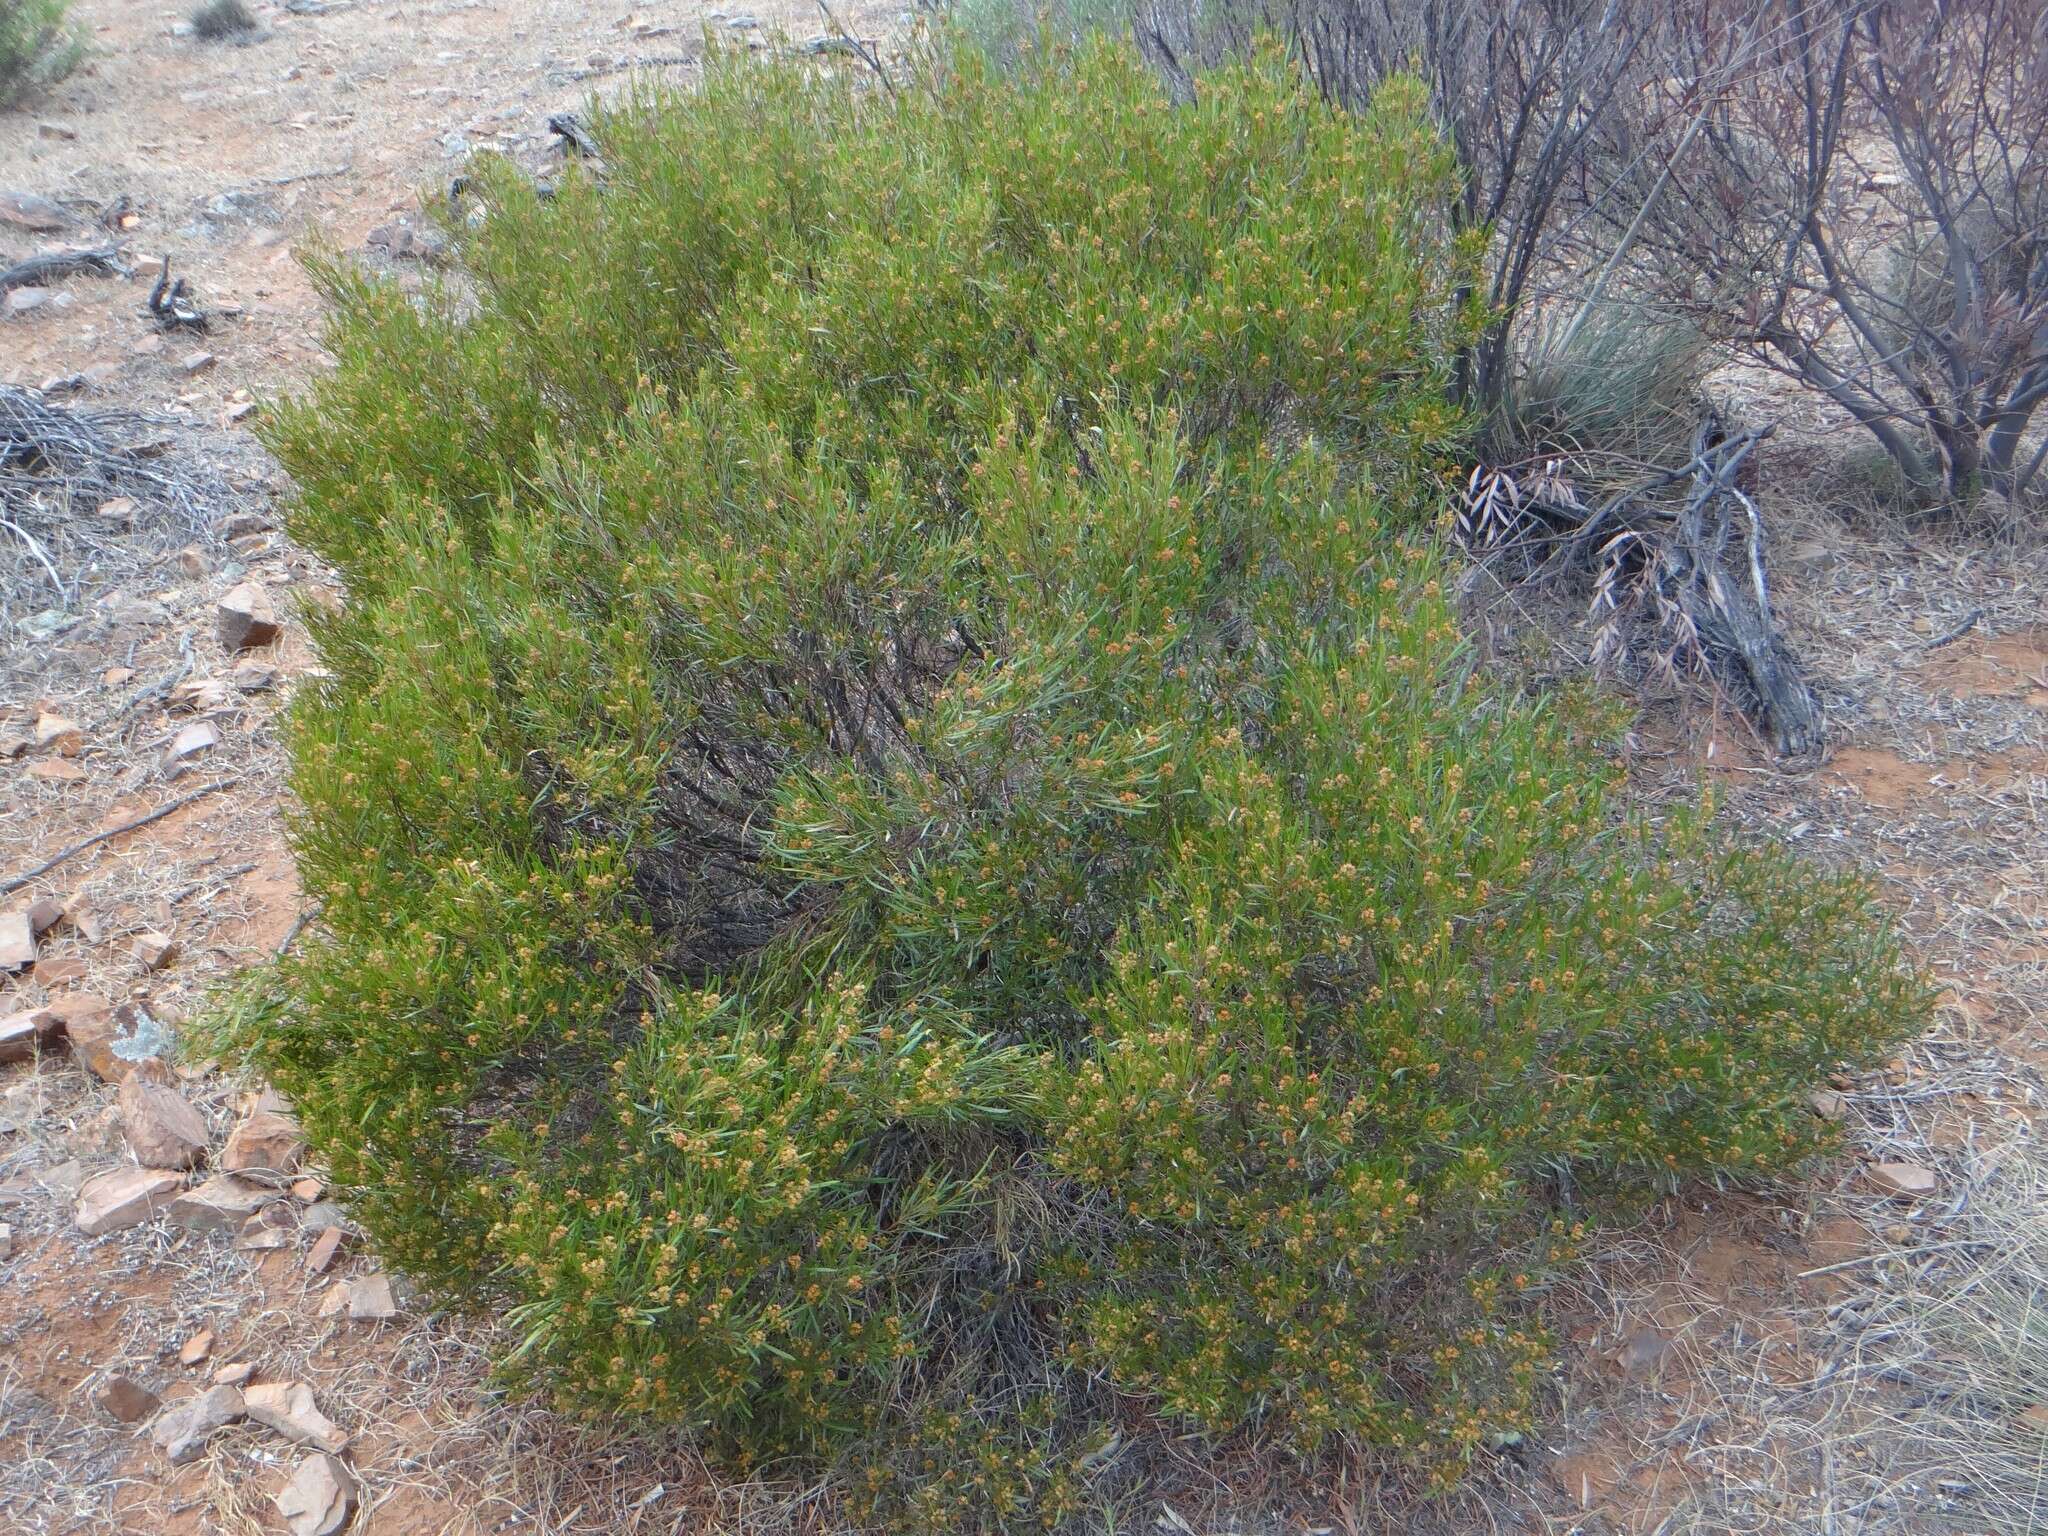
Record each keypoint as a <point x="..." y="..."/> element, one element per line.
<point x="909" y="855"/>
<point x="37" y="46"/>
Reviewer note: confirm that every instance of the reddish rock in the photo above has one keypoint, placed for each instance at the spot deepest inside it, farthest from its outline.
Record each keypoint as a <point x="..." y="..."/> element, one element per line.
<point x="320" y="1257"/>
<point x="126" y="1400"/>
<point x="267" y="1141"/>
<point x="24" y="1034"/>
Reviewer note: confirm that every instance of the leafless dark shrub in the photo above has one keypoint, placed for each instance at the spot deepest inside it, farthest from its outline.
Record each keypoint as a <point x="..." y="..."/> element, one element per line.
<point x="1855" y="192"/>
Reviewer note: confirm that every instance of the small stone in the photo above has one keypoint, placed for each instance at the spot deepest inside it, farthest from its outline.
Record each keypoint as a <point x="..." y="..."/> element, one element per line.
<point x="44" y="913"/>
<point x="246" y="618"/>
<point x="234" y="1374"/>
<point x="193" y="562"/>
<point x="335" y="1301"/>
<point x="181" y="1431"/>
<point x="22" y="1035"/>
<point x="155" y="950"/>
<point x="118" y="509"/>
<point x="241" y="410"/>
<point x="127" y="1197"/>
<point x="320" y="1499"/>
<point x="288" y="1408"/>
<point x="321" y="1215"/>
<point x="162" y="1128"/>
<point x="6" y="1241"/>
<point x="260" y="1235"/>
<point x="1905" y="1181"/>
<point x="127" y="1400"/>
<point x="320" y="1257"/>
<point x="56" y="734"/>
<point x="13" y="745"/>
<point x="267" y="1141"/>
<point x="370" y="1300"/>
<point x="196" y="738"/>
<point x="235" y="524"/>
<point x="17" y="942"/>
<point x="221" y="1204"/>
<point x="90" y="925"/>
<point x="56" y="770"/>
<point x="307" y="1190"/>
<point x="114" y="677"/>
<point x="196" y="362"/>
<point x="23" y="301"/>
<point x="195" y="1349"/>
<point x="1828" y="1104"/>
<point x="199" y="695"/>
<point x="253" y="676"/>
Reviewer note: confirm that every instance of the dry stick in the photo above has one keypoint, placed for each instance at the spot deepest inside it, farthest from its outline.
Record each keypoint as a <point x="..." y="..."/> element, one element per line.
<point x="100" y="837"/>
<point x="298" y="927"/>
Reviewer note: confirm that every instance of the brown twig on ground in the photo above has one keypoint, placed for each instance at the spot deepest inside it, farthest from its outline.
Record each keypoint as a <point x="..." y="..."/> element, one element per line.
<point x="15" y="884"/>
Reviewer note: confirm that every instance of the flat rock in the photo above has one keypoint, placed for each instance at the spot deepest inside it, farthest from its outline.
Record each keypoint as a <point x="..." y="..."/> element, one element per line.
<point x="17" y="942"/>
<point x="320" y="1498"/>
<point x="288" y="1408"/>
<point x="234" y="1374"/>
<point x="195" y="1349"/>
<point x="162" y="1128"/>
<point x="181" y="1431"/>
<point x="198" y="737"/>
<point x="44" y="912"/>
<point x="222" y="1204"/>
<point x="267" y="1141"/>
<point x="1905" y="1181"/>
<point x="246" y="617"/>
<point x="127" y="1197"/>
<point x="126" y="1399"/>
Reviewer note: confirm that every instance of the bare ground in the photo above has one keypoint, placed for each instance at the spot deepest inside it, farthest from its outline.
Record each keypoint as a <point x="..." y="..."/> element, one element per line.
<point x="1743" y="1361"/>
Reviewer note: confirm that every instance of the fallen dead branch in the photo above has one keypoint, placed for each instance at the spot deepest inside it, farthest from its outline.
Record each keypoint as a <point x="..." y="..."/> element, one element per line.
<point x="60" y="460"/>
<point x="17" y="882"/>
<point x="46" y="267"/>
<point x="1676" y="567"/>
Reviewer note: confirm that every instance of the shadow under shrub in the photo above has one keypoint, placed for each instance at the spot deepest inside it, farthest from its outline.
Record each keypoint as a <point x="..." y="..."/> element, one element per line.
<point x="912" y="866"/>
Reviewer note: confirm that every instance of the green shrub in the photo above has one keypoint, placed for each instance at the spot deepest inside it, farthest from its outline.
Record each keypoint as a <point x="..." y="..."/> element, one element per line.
<point x="36" y="46"/>
<point x="907" y="847"/>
